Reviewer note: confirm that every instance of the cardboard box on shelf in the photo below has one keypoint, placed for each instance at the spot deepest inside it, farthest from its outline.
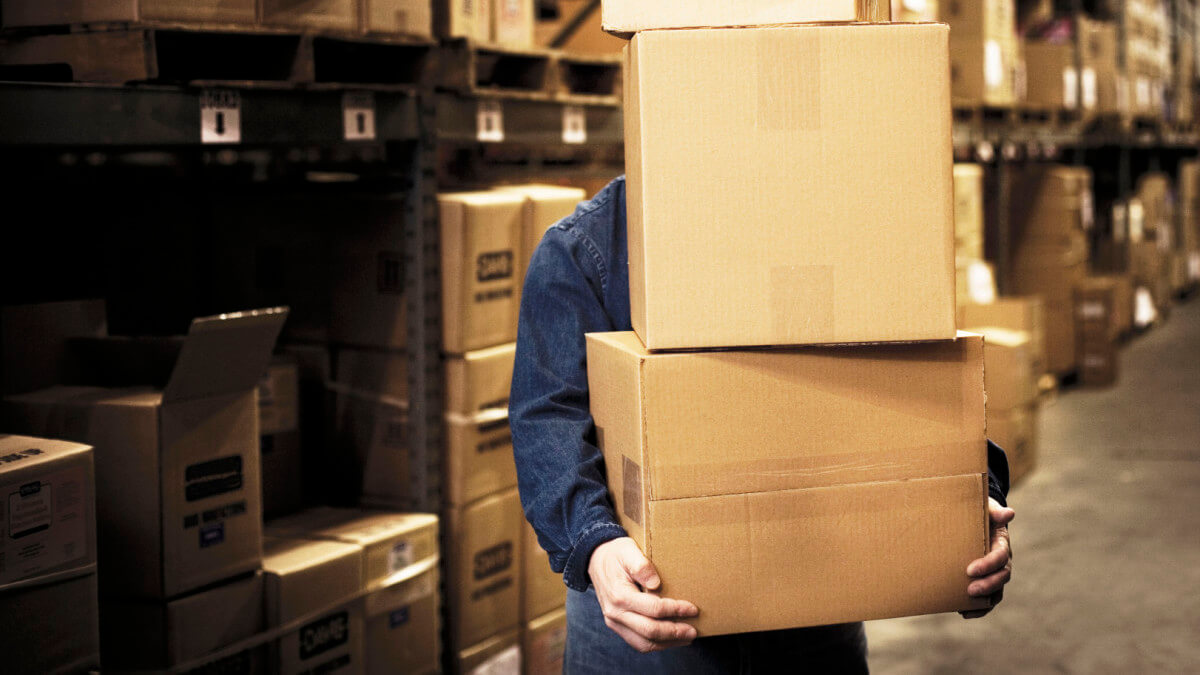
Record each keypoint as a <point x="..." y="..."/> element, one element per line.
<point x="323" y="14"/>
<point x="1099" y="55"/>
<point x="369" y="304"/>
<point x="1015" y="430"/>
<point x="484" y="588"/>
<point x="479" y="456"/>
<point x="146" y="635"/>
<point x="481" y="247"/>
<point x="776" y="155"/>
<point x="1096" y="309"/>
<point x="499" y="654"/>
<point x="1024" y="314"/>
<point x="470" y="19"/>
<point x="177" y="470"/>
<point x="1097" y="362"/>
<point x="542" y="589"/>
<point x="545" y="206"/>
<point x="722" y="482"/>
<point x="405" y="17"/>
<point x="480" y="380"/>
<point x="915" y="10"/>
<point x="968" y="211"/>
<point x="983" y="20"/>
<point x="984" y="72"/>
<point x="318" y="581"/>
<point x="543" y="644"/>
<point x="512" y="23"/>
<point x="588" y="38"/>
<point x="974" y="282"/>
<point x="404" y="625"/>
<point x="58" y="630"/>
<point x="369" y="452"/>
<point x="1052" y="79"/>
<point x="626" y="17"/>
<point x="1010" y="378"/>
<point x="58" y="12"/>
<point x="373" y="371"/>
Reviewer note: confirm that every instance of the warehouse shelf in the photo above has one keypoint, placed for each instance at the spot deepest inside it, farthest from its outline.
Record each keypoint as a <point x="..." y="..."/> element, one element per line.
<point x="504" y="119"/>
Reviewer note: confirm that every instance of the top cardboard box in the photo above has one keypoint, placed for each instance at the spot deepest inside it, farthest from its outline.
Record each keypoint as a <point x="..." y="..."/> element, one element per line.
<point x="56" y="12"/>
<point x="626" y="17"/>
<point x="790" y="185"/>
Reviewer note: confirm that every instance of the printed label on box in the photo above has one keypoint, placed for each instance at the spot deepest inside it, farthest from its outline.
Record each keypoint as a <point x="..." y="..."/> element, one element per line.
<point x="1070" y="88"/>
<point x="1090" y="97"/>
<point x="400" y="557"/>
<point x="993" y="65"/>
<point x="44" y="524"/>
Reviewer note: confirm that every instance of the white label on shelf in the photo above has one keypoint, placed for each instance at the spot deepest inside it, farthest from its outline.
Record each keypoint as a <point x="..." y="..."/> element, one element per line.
<point x="507" y="662"/>
<point x="1090" y="97"/>
<point x="1092" y="310"/>
<point x="1087" y="210"/>
<point x="574" y="125"/>
<point x="981" y="287"/>
<point x="489" y="121"/>
<point x="358" y="115"/>
<point x="1070" y="88"/>
<point x="993" y="65"/>
<point x="1137" y="221"/>
<point x="1193" y="266"/>
<point x="220" y="116"/>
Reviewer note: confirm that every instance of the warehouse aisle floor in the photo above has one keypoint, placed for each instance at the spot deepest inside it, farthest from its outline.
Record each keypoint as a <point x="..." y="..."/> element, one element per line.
<point x="1106" y="543"/>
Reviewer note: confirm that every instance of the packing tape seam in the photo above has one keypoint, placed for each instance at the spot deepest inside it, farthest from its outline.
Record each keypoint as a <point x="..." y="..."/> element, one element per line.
<point x="407" y="574"/>
<point x="751" y="493"/>
<point x="48" y="579"/>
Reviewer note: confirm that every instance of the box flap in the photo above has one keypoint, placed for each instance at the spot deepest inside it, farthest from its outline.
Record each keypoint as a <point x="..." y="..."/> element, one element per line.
<point x="225" y="353"/>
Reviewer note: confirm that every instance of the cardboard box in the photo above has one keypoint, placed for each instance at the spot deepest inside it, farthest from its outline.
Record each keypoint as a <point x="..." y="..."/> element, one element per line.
<point x="1024" y="314"/>
<point x="626" y="17"/>
<point x="500" y="654"/>
<point x="407" y="17"/>
<point x="48" y="514"/>
<point x="317" y="582"/>
<point x="283" y="475"/>
<point x="392" y="542"/>
<point x="1098" y="362"/>
<point x="974" y="282"/>
<point x="1096" y="309"/>
<point x="1098" y="45"/>
<point x="544" y="643"/>
<point x="1010" y="376"/>
<point x="325" y="14"/>
<point x="1015" y="430"/>
<point x="480" y="380"/>
<point x="744" y="146"/>
<point x="470" y="19"/>
<point x="716" y="473"/>
<point x="177" y="470"/>
<point x="484" y="588"/>
<point x="373" y="371"/>
<point x="58" y="630"/>
<point x="512" y="23"/>
<point x="1052" y="80"/>
<point x="368" y="277"/>
<point x="370" y="452"/>
<point x="279" y="397"/>
<point x="968" y="212"/>
<point x="915" y="10"/>
<point x="545" y="205"/>
<point x="479" y="456"/>
<point x="982" y="20"/>
<point x="403" y="624"/>
<point x="542" y="589"/>
<point x="1061" y="354"/>
<point x="55" y="12"/>
<point x="984" y="72"/>
<point x="144" y="635"/>
<point x="481" y="244"/>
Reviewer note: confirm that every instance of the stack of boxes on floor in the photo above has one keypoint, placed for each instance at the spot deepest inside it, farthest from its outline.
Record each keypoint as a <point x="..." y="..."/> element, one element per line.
<point x="1153" y="244"/>
<point x="984" y="52"/>
<point x="744" y="471"/>
<point x="1189" y="220"/>
<point x="501" y="591"/>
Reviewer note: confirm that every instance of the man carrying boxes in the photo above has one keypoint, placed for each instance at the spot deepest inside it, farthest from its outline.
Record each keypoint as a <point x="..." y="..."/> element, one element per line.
<point x="787" y="185"/>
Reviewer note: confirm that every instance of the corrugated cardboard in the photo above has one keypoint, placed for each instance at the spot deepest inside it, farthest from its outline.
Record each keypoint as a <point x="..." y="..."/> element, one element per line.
<point x="512" y="22"/>
<point x="404" y="626"/>
<point x="542" y="589"/>
<point x="463" y="18"/>
<point x="544" y="642"/>
<point x="143" y="635"/>
<point x="374" y="371"/>
<point x="408" y="17"/>
<point x="369" y="305"/>
<point x="479" y="380"/>
<point x="1015" y="431"/>
<point x="1096" y="309"/>
<point x="392" y="542"/>
<point x="1098" y="45"/>
<point x="479" y="456"/>
<point x="500" y="654"/>
<point x="716" y="472"/>
<point x="1023" y="314"/>
<point x="625" y="17"/>
<point x="55" y="12"/>
<point x="980" y="20"/>
<point x="48" y="509"/>
<point x="1010" y="376"/>
<point x="746" y="185"/>
<point x="177" y="471"/>
<point x="484" y="588"/>
<point x="974" y="282"/>
<point x="1052" y="79"/>
<point x="984" y="72"/>
<point x="329" y="14"/>
<point x="58" y="630"/>
<point x="279" y="397"/>
<point x="968" y="211"/>
<point x="1098" y="362"/>
<point x="545" y="206"/>
<point x="370" y="448"/>
<point x="481" y="247"/>
<point x="316" y="581"/>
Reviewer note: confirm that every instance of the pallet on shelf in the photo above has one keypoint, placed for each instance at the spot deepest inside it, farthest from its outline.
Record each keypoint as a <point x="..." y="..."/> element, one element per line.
<point x="472" y="68"/>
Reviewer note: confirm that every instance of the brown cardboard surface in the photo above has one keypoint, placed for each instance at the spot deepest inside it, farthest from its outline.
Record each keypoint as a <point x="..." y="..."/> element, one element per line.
<point x="742" y="145"/>
<point x="481" y="247"/>
<point x="624" y="17"/>
<point x="1015" y="431"/>
<point x="980" y="20"/>
<point x="55" y="12"/>
<point x="731" y="422"/>
<point x="1025" y="314"/>
<point x="58" y="630"/>
<point x="983" y="72"/>
<point x="156" y="634"/>
<point x="545" y="205"/>
<point x="968" y="211"/>
<point x="374" y="371"/>
<point x="48" y="514"/>
<point x="1009" y="372"/>
<point x="1096" y="309"/>
<point x="1098" y="362"/>
<point x="300" y="578"/>
<point x="331" y="14"/>
<point x="463" y="18"/>
<point x="479" y="456"/>
<point x="404" y="626"/>
<point x="408" y="17"/>
<point x="512" y="22"/>
<point x="542" y="589"/>
<point x="229" y="11"/>
<point x="1061" y="357"/>
<point x="479" y="380"/>
<point x="543" y="643"/>
<point x="500" y="654"/>
<point x="1099" y="55"/>
<point x="484" y="588"/>
<point x="1052" y="80"/>
<point x="370" y="447"/>
<point x="279" y="397"/>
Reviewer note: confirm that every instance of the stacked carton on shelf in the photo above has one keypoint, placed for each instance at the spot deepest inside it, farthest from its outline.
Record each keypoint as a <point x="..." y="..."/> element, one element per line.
<point x="1097" y="327"/>
<point x="984" y="51"/>
<point x="975" y="280"/>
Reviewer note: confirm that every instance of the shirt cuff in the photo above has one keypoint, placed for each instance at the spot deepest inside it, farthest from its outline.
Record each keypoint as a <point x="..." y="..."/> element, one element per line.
<point x="995" y="492"/>
<point x="575" y="573"/>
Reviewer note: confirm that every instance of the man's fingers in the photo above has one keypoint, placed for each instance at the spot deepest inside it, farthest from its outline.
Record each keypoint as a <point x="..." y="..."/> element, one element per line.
<point x="655" y="607"/>
<point x="641" y="570"/>
<point x="1000" y="515"/>
<point x="993" y="583"/>
<point x="640" y="642"/>
<point x="998" y="558"/>
<point x="655" y="630"/>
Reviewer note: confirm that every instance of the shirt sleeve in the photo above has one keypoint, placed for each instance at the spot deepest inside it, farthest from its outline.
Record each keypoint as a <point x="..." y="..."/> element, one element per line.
<point x="560" y="470"/>
<point x="997" y="473"/>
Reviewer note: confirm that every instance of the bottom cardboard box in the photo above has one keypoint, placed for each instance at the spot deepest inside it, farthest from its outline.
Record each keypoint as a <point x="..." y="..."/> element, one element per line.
<point x="1016" y="432"/>
<point x="544" y="642"/>
<point x="499" y="655"/>
<point x="484" y="549"/>
<point x="403" y="627"/>
<point x="58" y="630"/>
<point x="817" y="556"/>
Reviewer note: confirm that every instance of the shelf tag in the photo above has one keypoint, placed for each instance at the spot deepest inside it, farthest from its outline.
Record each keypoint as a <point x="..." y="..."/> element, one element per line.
<point x="489" y="121"/>
<point x="574" y="125"/>
<point x="220" y="116"/>
<point x="358" y="115"/>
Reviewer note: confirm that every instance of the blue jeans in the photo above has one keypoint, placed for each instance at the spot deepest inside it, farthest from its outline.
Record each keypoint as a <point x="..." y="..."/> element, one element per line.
<point x="592" y="648"/>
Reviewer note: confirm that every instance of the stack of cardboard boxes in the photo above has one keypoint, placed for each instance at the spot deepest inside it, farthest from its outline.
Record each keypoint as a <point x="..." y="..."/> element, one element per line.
<point x="1153" y="245"/>
<point x="984" y="52"/>
<point x="766" y="484"/>
<point x="1058" y="77"/>
<point x="975" y="280"/>
<point x="504" y="22"/>
<point x="1147" y="48"/>
<point x="1189" y="219"/>
<point x="1098" y="329"/>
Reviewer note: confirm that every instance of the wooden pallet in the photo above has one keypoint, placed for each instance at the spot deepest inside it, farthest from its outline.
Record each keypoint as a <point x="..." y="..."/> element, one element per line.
<point x="182" y="54"/>
<point x="472" y="68"/>
<point x="588" y="79"/>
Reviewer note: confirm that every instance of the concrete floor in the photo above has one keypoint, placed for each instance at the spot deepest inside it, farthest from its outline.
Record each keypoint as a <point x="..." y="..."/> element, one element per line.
<point x="1106" y="542"/>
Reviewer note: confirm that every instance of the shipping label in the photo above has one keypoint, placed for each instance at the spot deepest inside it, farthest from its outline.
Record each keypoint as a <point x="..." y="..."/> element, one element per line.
<point x="44" y="523"/>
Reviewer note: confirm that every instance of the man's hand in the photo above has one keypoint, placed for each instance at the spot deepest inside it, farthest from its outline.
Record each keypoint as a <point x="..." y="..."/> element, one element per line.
<point x="624" y="579"/>
<point x="991" y="572"/>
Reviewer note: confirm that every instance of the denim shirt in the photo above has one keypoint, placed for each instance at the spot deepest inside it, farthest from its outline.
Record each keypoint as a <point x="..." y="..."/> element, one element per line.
<point x="577" y="283"/>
